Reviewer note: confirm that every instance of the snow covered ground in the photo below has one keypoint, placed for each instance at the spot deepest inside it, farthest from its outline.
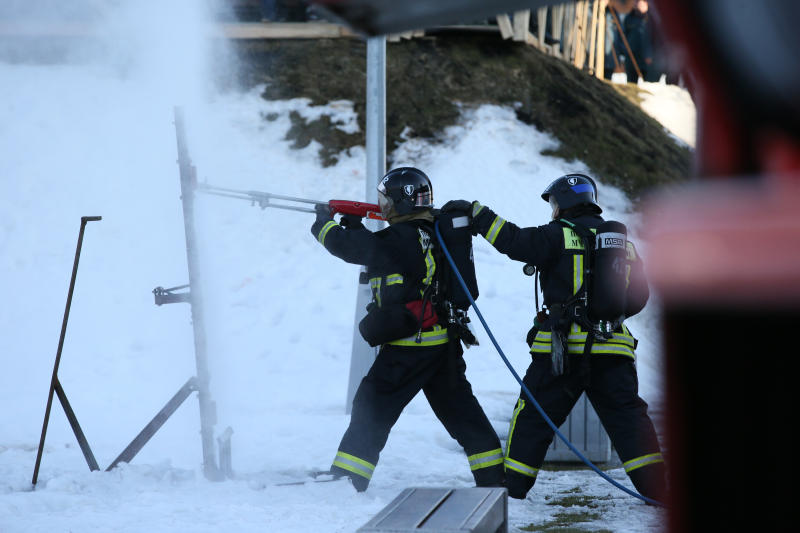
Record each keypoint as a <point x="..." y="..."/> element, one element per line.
<point x="96" y="137"/>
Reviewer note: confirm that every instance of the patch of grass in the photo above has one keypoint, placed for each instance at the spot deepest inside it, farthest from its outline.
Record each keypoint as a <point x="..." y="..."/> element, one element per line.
<point x="303" y="132"/>
<point x="579" y="501"/>
<point x="565" y="523"/>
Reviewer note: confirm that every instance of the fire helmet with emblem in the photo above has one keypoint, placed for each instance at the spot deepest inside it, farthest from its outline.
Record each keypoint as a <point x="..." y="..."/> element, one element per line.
<point x="572" y="190"/>
<point x="404" y="190"/>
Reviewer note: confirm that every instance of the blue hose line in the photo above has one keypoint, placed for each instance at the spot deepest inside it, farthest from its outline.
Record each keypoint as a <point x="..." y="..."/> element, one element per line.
<point x="524" y="388"/>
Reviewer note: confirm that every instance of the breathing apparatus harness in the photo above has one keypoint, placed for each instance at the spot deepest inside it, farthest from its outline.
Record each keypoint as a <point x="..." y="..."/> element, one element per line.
<point x="576" y="309"/>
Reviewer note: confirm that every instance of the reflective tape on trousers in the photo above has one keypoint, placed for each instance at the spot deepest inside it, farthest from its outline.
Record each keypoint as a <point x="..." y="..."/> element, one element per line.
<point x="354" y="464"/>
<point x="644" y="460"/>
<point x="522" y="468"/>
<point x="485" y="459"/>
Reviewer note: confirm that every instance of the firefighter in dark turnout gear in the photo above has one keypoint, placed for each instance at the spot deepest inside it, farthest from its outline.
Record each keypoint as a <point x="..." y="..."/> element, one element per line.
<point x="571" y="352"/>
<point x="416" y="352"/>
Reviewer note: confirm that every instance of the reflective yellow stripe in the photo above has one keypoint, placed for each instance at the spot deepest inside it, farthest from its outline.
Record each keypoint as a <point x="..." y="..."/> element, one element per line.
<point x="429" y="338"/>
<point x="520" y="406"/>
<point x="324" y="231"/>
<point x="630" y="251"/>
<point x="476" y="208"/>
<point x="618" y="344"/>
<point x="494" y="229"/>
<point x="644" y="460"/>
<point x="522" y="468"/>
<point x="485" y="459"/>
<point x="351" y="463"/>
<point x="430" y="267"/>
<point x="616" y="338"/>
<point x="606" y="349"/>
<point x="375" y="285"/>
<point x="577" y="272"/>
<point x="394" y="279"/>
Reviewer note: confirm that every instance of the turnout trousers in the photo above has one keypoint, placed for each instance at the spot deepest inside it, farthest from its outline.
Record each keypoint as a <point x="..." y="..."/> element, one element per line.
<point x="612" y="386"/>
<point x="396" y="376"/>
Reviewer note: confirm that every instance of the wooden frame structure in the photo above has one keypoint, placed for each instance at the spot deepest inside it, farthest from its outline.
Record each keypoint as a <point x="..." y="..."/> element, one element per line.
<point x="577" y="30"/>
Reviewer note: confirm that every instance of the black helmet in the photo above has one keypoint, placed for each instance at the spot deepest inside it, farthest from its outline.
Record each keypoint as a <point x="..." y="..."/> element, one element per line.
<point x="404" y="190"/>
<point x="572" y="190"/>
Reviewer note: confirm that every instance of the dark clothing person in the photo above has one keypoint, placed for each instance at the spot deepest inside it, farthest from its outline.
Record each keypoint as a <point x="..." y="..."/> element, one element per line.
<point x="638" y="27"/>
<point x="401" y="267"/>
<point x="604" y="368"/>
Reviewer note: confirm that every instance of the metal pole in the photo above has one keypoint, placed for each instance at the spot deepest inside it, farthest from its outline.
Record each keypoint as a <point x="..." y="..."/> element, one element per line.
<point x="363" y="355"/>
<point x="54" y="378"/>
<point x="154" y="425"/>
<point x="207" y="406"/>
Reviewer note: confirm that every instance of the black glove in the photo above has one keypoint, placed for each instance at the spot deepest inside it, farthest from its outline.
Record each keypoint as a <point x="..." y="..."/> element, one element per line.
<point x="462" y="206"/>
<point x="351" y="222"/>
<point x="458" y="205"/>
<point x="323" y="212"/>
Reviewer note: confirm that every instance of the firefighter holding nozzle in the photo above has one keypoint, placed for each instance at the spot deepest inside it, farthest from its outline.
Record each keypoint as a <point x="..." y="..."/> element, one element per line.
<point x="592" y="279"/>
<point x="410" y="319"/>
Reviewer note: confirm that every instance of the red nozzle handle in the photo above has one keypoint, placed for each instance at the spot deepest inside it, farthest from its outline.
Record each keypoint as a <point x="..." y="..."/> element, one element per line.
<point x="361" y="209"/>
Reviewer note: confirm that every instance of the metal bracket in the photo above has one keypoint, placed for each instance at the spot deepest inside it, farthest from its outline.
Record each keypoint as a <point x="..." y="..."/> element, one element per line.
<point x="168" y="296"/>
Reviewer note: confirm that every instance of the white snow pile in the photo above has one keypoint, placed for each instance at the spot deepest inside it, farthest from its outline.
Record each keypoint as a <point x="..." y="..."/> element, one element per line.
<point x="96" y="137"/>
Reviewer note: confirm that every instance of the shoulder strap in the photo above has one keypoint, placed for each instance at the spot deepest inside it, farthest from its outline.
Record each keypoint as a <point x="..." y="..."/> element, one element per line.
<point x="582" y="231"/>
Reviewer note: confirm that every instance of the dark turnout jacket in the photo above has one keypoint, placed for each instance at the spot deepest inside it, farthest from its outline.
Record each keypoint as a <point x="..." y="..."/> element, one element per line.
<point x="558" y="253"/>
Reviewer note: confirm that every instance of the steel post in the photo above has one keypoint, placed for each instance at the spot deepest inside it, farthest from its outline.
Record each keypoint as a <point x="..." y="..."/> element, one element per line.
<point x="363" y="355"/>
<point x="207" y="407"/>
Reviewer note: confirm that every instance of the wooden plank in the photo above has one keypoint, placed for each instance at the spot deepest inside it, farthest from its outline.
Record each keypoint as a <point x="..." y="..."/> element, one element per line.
<point x="581" y="10"/>
<point x="283" y="30"/>
<point x="599" y="69"/>
<point x="504" y="23"/>
<point x="230" y="30"/>
<point x="593" y="35"/>
<point x="541" y="24"/>
<point x="557" y="22"/>
<point x="569" y="32"/>
<point x="522" y="21"/>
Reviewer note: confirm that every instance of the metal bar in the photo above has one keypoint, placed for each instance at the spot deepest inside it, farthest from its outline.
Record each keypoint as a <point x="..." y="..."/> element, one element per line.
<point x="265" y="202"/>
<point x="54" y="377"/>
<point x="207" y="408"/>
<point x="624" y="40"/>
<point x="363" y="355"/>
<point x="201" y="187"/>
<point x="76" y="427"/>
<point x="155" y="424"/>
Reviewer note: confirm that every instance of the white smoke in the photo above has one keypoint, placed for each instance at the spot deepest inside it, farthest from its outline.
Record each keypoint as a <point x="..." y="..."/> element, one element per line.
<point x="86" y="128"/>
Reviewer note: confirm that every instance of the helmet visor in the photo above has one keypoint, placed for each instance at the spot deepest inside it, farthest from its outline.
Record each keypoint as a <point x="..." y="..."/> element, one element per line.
<point x="554" y="205"/>
<point x="424" y="198"/>
<point x="384" y="201"/>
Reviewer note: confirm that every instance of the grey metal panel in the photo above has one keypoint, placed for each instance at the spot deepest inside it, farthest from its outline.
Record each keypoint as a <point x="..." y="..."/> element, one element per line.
<point x="443" y="510"/>
<point x="585" y="432"/>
